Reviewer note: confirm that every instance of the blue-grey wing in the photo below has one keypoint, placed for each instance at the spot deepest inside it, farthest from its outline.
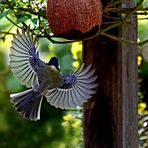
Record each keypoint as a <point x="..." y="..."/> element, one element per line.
<point x="24" y="58"/>
<point x="78" y="87"/>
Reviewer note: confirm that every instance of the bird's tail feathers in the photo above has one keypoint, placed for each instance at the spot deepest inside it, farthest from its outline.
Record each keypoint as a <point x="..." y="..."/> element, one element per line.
<point x="28" y="104"/>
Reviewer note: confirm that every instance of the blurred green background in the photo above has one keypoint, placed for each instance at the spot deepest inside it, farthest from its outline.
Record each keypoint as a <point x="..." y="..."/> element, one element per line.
<point x="57" y="128"/>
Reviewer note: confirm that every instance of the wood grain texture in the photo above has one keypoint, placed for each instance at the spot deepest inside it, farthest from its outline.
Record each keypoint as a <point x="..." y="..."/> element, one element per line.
<point x="110" y="117"/>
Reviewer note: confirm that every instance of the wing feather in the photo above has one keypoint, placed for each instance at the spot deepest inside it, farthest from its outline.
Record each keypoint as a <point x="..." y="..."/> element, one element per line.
<point x="78" y="88"/>
<point x="71" y="99"/>
<point x="78" y="70"/>
<point x="54" y="97"/>
<point x="23" y="58"/>
<point x="60" y="100"/>
<point x="66" y="103"/>
<point x="80" y="97"/>
<point x="74" y="97"/>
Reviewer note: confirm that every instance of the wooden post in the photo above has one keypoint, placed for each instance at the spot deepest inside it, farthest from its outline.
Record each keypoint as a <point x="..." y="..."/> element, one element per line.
<point x="110" y="117"/>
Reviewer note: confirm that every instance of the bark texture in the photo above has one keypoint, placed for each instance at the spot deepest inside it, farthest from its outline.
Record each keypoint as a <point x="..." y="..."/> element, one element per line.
<point x="110" y="117"/>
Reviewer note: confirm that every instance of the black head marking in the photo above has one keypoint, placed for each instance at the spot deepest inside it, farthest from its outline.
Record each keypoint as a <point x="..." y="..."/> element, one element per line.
<point x="54" y="62"/>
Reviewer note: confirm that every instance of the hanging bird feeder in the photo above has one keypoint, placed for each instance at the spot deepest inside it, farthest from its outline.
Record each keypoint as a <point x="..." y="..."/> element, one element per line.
<point x="74" y="19"/>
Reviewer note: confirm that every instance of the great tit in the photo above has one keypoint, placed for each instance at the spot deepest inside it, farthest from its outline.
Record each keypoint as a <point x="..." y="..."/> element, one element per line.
<point x="45" y="79"/>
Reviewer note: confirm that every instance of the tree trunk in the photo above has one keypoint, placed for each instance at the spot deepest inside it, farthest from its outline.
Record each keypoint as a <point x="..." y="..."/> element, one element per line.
<point x="110" y="117"/>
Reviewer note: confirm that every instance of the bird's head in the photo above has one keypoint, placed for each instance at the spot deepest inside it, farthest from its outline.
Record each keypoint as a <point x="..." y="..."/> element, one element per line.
<point x="54" y="62"/>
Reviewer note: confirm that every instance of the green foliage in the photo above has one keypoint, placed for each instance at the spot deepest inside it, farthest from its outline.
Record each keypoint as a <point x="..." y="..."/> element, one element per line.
<point x="14" y="130"/>
<point x="55" y="129"/>
<point x="143" y="79"/>
<point x="25" y="13"/>
<point x="73" y="127"/>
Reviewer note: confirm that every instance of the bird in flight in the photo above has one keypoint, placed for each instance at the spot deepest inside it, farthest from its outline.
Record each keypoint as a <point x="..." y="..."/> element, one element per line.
<point x="45" y="79"/>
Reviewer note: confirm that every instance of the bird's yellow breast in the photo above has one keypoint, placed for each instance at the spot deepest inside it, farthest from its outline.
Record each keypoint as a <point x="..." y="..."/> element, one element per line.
<point x="49" y="76"/>
<point x="54" y="76"/>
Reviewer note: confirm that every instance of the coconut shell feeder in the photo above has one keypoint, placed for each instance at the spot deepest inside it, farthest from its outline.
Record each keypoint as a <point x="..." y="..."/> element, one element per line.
<point x="74" y="19"/>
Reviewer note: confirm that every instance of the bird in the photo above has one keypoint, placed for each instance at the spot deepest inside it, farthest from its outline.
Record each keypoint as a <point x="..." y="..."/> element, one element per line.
<point x="45" y="80"/>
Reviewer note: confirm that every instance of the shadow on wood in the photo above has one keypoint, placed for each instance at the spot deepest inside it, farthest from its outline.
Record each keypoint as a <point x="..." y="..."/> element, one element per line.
<point x="110" y="117"/>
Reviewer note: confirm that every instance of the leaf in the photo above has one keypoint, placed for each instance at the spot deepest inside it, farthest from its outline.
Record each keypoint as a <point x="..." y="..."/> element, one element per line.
<point x="34" y="20"/>
<point x="22" y="19"/>
<point x="27" y="15"/>
<point x="4" y="14"/>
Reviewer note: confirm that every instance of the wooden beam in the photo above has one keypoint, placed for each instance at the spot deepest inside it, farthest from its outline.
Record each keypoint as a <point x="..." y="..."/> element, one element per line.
<point x="110" y="117"/>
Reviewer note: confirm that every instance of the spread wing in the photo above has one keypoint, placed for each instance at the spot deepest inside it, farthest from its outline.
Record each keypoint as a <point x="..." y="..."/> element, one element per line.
<point x="78" y="88"/>
<point x="24" y="58"/>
